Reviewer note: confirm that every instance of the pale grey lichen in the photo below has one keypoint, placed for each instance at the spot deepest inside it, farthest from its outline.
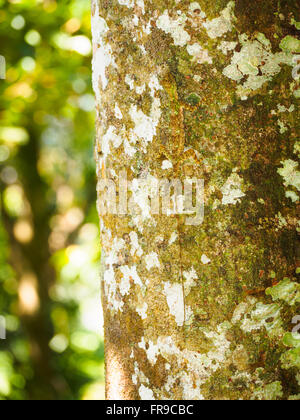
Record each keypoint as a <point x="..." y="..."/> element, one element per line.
<point x="253" y="316"/>
<point x="231" y="190"/>
<point x="290" y="174"/>
<point x="290" y="44"/>
<point x="281" y="221"/>
<point x="269" y="392"/>
<point x="227" y="46"/>
<point x="131" y="3"/>
<point x="152" y="261"/>
<point x="102" y="57"/>
<point x="297" y="93"/>
<point x="129" y="276"/>
<point x="205" y="260"/>
<point x="256" y="62"/>
<point x="295" y="23"/>
<point x="190" y="280"/>
<point x="142" y="310"/>
<point x="199" y="54"/>
<point x="118" y="281"/>
<point x="286" y="290"/>
<point x="145" y="126"/>
<point x="220" y="26"/>
<point x="193" y="369"/>
<point x="195" y="9"/>
<point x="291" y="359"/>
<point x="174" y="27"/>
<point x="297" y="148"/>
<point x="292" y="196"/>
<point x="167" y="164"/>
<point x="110" y="138"/>
<point x="282" y="108"/>
<point x="282" y="127"/>
<point x="136" y="249"/>
<point x="146" y="393"/>
<point x="175" y="300"/>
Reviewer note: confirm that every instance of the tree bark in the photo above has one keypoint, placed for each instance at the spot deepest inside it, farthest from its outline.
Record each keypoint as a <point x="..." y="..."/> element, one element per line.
<point x="206" y="90"/>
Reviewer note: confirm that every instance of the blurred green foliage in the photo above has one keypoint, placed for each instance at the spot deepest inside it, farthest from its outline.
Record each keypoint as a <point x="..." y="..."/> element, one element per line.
<point x="49" y="238"/>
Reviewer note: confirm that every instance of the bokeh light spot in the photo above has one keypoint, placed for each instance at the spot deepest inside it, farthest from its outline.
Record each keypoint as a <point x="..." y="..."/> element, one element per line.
<point x="18" y="22"/>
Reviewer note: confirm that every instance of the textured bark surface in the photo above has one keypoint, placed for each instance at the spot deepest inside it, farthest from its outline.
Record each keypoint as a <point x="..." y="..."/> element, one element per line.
<point x="201" y="312"/>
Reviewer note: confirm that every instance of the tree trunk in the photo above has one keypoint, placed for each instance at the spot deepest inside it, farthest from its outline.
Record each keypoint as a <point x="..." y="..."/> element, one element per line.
<point x="199" y="309"/>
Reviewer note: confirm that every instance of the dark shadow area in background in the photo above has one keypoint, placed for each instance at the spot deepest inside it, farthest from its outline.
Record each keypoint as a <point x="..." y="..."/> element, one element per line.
<point x="49" y="238"/>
